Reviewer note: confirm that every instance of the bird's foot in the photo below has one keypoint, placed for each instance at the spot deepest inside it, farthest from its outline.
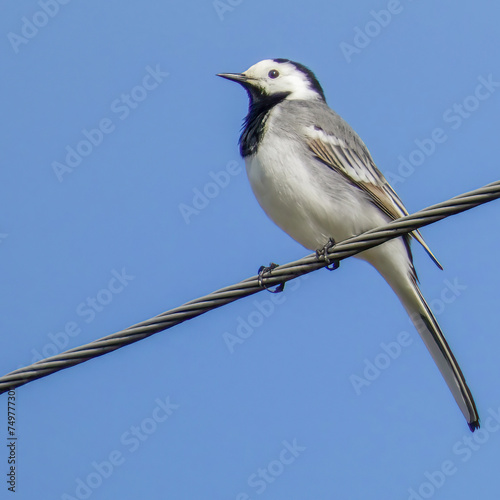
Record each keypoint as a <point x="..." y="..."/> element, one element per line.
<point x="322" y="254"/>
<point x="263" y="270"/>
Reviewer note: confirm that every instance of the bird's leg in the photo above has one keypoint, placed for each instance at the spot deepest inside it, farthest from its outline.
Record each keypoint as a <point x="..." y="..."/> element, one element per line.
<point x="263" y="270"/>
<point x="322" y="254"/>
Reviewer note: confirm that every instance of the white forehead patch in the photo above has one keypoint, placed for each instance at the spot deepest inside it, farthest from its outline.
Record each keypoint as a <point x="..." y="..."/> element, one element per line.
<point x="290" y="79"/>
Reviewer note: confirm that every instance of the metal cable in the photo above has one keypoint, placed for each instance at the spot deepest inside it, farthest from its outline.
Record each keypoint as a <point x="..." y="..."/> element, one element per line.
<point x="280" y="274"/>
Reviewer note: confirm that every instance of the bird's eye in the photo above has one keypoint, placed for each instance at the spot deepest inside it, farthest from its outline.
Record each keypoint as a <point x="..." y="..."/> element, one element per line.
<point x="274" y="73"/>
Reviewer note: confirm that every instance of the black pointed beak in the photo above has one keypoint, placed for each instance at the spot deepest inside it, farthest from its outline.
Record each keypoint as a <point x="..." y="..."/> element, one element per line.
<point x="235" y="77"/>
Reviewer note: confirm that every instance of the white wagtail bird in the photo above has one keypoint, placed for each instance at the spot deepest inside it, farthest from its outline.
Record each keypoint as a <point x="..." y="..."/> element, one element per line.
<point x="315" y="178"/>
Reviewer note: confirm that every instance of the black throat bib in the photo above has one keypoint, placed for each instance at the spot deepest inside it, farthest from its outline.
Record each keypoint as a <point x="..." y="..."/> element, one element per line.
<point x="253" y="128"/>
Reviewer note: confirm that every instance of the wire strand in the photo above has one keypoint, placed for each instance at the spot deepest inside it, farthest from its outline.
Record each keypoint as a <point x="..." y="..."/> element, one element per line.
<point x="247" y="287"/>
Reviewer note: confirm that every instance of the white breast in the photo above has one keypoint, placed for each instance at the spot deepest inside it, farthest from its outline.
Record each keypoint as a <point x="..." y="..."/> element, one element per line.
<point x="299" y="202"/>
<point x="313" y="203"/>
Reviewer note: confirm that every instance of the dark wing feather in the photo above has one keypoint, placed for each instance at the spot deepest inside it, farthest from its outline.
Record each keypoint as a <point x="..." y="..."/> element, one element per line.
<point x="360" y="169"/>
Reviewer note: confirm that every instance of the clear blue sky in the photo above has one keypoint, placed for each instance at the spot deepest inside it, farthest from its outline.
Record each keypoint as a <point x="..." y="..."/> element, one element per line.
<point x="125" y="95"/>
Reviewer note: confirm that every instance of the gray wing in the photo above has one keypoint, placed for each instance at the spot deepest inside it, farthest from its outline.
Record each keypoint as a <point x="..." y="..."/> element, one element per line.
<point x="350" y="158"/>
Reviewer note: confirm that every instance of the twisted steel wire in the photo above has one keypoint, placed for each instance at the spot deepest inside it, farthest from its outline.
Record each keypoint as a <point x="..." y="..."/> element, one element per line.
<point x="245" y="288"/>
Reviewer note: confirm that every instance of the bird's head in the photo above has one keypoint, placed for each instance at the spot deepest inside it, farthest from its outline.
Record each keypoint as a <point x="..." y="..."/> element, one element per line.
<point x="283" y="77"/>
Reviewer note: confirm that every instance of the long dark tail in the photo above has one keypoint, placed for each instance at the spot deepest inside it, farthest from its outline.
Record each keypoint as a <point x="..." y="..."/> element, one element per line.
<point x="427" y="326"/>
